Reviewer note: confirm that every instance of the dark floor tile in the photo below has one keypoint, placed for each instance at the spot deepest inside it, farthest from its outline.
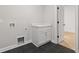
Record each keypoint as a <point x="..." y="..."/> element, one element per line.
<point x="47" y="48"/>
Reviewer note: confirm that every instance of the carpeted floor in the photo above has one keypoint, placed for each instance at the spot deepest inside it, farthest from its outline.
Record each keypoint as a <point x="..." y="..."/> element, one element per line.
<point x="47" y="48"/>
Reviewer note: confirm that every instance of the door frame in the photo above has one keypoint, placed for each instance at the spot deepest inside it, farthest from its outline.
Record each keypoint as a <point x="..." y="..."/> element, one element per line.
<point x="60" y="23"/>
<point x="76" y="29"/>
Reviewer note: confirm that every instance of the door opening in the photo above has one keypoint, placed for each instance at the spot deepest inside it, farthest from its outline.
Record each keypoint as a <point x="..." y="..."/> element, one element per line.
<point x="66" y="26"/>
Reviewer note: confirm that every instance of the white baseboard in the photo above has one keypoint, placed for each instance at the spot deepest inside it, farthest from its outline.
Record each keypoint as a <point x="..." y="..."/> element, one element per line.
<point x="13" y="46"/>
<point x="35" y="44"/>
<point x="38" y="45"/>
<point x="54" y="42"/>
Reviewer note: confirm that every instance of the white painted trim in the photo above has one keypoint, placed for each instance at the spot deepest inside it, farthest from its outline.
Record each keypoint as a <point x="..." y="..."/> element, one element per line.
<point x="35" y="44"/>
<point x="76" y="29"/>
<point x="55" y="42"/>
<point x="38" y="45"/>
<point x="13" y="46"/>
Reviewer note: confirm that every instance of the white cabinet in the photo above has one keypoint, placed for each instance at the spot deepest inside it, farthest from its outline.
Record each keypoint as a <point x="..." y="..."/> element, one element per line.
<point x="41" y="34"/>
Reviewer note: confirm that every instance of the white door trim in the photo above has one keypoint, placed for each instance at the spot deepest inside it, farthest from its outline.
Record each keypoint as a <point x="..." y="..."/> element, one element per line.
<point x="76" y="28"/>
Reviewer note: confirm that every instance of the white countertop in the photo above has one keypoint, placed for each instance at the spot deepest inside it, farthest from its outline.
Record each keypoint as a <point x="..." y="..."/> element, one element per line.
<point x="41" y="25"/>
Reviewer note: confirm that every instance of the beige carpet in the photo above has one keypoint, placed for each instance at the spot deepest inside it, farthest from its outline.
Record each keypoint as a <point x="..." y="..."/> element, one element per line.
<point x="69" y="40"/>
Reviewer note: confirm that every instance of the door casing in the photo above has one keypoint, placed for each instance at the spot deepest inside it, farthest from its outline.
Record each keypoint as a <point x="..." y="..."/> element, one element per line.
<point x="76" y="29"/>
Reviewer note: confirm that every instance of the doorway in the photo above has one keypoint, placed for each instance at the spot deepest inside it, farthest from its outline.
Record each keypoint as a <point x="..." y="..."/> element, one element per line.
<point x="67" y="27"/>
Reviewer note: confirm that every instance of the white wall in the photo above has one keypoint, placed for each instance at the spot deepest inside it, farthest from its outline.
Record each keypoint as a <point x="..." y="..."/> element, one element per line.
<point x="50" y="17"/>
<point x="7" y="34"/>
<point x="23" y="17"/>
<point x="69" y="18"/>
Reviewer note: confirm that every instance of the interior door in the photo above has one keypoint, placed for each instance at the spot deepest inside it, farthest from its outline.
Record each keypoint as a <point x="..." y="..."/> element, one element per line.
<point x="7" y="33"/>
<point x="60" y="23"/>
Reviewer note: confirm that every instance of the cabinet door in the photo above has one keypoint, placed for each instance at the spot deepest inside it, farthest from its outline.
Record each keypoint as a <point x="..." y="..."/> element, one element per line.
<point x="43" y="37"/>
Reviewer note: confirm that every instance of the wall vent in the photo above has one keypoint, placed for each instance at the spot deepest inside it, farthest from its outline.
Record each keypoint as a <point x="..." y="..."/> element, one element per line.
<point x="20" y="40"/>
